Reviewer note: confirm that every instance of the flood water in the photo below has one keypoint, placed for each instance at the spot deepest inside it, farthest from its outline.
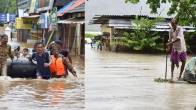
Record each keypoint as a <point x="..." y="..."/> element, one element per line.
<point x="117" y="81"/>
<point x="54" y="94"/>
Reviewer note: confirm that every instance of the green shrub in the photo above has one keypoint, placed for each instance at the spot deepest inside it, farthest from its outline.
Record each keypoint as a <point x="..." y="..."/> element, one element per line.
<point x="141" y="38"/>
<point x="87" y="35"/>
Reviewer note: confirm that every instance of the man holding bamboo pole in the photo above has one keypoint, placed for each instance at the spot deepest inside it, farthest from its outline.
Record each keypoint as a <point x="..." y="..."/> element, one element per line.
<point x="178" y="47"/>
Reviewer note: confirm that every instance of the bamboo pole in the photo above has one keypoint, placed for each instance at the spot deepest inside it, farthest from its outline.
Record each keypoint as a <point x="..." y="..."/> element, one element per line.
<point x="49" y="39"/>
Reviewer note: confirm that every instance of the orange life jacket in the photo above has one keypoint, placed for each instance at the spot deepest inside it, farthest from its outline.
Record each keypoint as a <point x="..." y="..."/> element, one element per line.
<point x="57" y="67"/>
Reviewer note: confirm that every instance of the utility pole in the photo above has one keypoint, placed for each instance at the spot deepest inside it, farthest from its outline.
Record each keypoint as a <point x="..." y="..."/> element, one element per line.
<point x="17" y="8"/>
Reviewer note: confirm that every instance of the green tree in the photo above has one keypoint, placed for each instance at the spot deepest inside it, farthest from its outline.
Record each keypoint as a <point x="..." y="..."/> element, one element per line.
<point x="141" y="38"/>
<point x="8" y="6"/>
<point x="87" y="35"/>
<point x="185" y="9"/>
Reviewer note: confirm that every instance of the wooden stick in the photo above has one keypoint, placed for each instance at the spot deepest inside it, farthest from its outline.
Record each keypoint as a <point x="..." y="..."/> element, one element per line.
<point x="166" y="55"/>
<point x="49" y="39"/>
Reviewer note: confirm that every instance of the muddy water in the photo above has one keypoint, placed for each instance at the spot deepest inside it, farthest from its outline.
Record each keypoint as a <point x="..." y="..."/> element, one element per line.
<point x="54" y="94"/>
<point x="125" y="82"/>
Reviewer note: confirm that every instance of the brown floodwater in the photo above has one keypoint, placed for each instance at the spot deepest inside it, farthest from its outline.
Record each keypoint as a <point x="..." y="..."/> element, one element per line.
<point x="54" y="94"/>
<point x="121" y="81"/>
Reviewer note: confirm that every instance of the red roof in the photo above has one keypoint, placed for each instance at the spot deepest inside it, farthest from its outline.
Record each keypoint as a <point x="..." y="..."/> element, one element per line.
<point x="75" y="4"/>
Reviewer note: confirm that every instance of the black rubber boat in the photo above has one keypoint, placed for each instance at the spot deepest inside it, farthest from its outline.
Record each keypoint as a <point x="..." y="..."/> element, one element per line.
<point x="21" y="69"/>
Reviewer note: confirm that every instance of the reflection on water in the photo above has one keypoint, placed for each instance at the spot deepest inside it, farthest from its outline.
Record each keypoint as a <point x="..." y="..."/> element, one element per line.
<point x="125" y="82"/>
<point x="54" y="94"/>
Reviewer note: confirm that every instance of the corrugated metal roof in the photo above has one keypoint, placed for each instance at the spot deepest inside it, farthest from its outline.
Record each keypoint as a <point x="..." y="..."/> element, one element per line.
<point x="65" y="7"/>
<point x="74" y="4"/>
<point x="61" y="2"/>
<point x="105" y="18"/>
<point x="119" y="7"/>
<point x="72" y="21"/>
<point x="126" y="24"/>
<point x="157" y="28"/>
<point x="80" y="8"/>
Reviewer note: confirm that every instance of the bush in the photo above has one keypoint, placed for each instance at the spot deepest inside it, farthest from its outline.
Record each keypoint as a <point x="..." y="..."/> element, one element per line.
<point x="87" y="35"/>
<point x="141" y="38"/>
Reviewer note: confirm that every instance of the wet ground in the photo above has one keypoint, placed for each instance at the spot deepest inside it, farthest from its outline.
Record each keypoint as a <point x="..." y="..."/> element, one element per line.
<point x="54" y="94"/>
<point x="117" y="81"/>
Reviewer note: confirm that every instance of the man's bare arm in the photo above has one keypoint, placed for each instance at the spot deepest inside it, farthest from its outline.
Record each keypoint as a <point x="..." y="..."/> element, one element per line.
<point x="172" y="42"/>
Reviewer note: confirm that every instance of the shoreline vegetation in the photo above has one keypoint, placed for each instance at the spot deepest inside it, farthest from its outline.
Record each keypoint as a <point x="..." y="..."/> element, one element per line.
<point x="142" y="40"/>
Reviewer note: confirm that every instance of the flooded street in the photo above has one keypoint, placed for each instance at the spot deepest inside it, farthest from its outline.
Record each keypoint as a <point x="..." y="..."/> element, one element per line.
<point x="117" y="81"/>
<point x="54" y="94"/>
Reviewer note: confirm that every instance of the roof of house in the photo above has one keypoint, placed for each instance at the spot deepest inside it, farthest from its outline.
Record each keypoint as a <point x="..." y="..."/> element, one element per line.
<point x="103" y="19"/>
<point x="80" y="8"/>
<point x="61" y="2"/>
<point x="120" y="8"/>
<point x="71" y="6"/>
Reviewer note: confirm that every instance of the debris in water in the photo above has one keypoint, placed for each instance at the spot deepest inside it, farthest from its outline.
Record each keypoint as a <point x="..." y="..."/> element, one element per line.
<point x="161" y="80"/>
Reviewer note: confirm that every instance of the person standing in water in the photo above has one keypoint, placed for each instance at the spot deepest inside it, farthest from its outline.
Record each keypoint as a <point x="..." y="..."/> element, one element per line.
<point x="63" y="51"/>
<point x="178" y="47"/>
<point x="60" y="64"/>
<point x="5" y="51"/>
<point x="43" y="61"/>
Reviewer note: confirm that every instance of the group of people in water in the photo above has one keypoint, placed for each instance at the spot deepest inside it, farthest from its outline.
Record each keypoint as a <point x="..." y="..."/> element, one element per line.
<point x="54" y="63"/>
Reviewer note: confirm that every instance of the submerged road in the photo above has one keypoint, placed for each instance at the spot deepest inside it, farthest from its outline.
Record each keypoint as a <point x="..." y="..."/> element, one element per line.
<point x="117" y="81"/>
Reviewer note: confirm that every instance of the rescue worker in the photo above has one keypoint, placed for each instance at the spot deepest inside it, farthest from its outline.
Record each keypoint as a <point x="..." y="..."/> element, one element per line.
<point x="43" y="61"/>
<point x="5" y="51"/>
<point x="63" y="51"/>
<point x="60" y="64"/>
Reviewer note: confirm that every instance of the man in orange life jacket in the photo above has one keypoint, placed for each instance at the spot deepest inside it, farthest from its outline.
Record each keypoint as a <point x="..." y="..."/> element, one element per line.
<point x="60" y="64"/>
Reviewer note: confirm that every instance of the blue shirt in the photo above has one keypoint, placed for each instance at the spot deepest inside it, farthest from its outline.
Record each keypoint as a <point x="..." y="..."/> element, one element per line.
<point x="41" y="59"/>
